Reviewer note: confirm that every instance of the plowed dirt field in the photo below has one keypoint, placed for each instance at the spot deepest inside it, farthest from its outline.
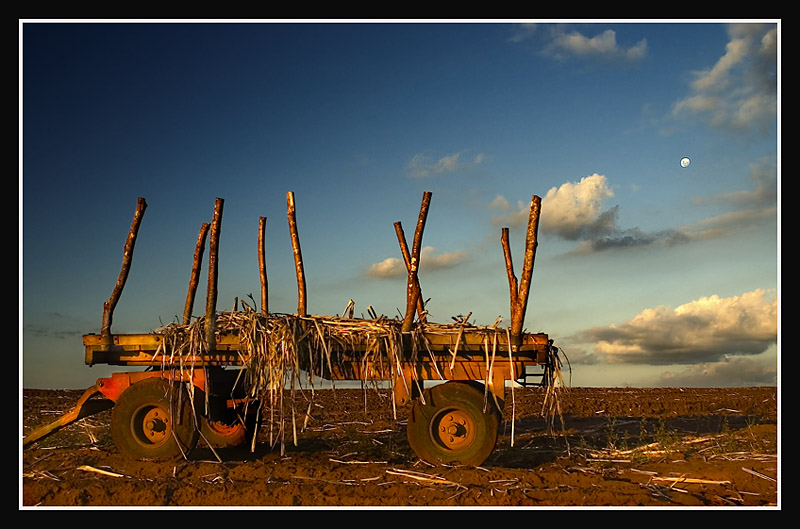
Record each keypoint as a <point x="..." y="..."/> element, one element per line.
<point x="610" y="447"/>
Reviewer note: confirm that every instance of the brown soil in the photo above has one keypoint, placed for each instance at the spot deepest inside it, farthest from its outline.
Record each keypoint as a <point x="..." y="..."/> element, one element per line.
<point x="616" y="447"/>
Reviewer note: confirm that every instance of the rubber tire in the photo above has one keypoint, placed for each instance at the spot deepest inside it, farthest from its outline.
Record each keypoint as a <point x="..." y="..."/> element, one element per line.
<point x="138" y="405"/>
<point x="230" y="432"/>
<point x="472" y="443"/>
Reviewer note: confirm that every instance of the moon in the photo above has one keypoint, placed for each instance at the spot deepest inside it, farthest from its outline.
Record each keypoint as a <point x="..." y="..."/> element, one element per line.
<point x="685" y="162"/>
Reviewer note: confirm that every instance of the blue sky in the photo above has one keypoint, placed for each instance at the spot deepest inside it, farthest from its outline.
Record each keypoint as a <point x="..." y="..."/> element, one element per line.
<point x="647" y="273"/>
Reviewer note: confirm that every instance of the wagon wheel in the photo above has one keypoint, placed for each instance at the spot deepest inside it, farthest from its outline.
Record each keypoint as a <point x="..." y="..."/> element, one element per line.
<point x="452" y="426"/>
<point x="154" y="419"/>
<point x="232" y="430"/>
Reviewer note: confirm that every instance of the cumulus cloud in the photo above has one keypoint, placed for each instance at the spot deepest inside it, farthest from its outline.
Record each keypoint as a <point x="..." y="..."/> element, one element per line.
<point x="709" y="329"/>
<point x="570" y="211"/>
<point x="739" y="92"/>
<point x="424" y="165"/>
<point x="389" y="267"/>
<point x="429" y="260"/>
<point x="602" y="45"/>
<point x="575" y="212"/>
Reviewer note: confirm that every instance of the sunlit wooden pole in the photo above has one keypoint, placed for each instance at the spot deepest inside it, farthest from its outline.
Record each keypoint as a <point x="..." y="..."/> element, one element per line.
<point x="194" y="279"/>
<point x="127" y="257"/>
<point x="401" y="238"/>
<point x="262" y="265"/>
<point x="519" y="292"/>
<point x="526" y="275"/>
<point x="298" y="256"/>
<point x="213" y="273"/>
<point x="412" y="290"/>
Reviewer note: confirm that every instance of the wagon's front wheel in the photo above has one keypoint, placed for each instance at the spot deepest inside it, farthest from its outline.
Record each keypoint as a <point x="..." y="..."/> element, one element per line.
<point x="452" y="426"/>
<point x="154" y="419"/>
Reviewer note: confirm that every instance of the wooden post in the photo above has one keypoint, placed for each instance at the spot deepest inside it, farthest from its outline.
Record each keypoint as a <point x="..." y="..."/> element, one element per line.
<point x="530" y="256"/>
<point x="519" y="293"/>
<point x="512" y="279"/>
<point x="298" y="256"/>
<point x="401" y="238"/>
<point x="194" y="279"/>
<point x="262" y="265"/>
<point x="213" y="273"/>
<point x="412" y="292"/>
<point x="127" y="257"/>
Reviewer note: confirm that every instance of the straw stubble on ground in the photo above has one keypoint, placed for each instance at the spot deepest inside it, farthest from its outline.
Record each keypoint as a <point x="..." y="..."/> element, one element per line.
<point x="615" y="447"/>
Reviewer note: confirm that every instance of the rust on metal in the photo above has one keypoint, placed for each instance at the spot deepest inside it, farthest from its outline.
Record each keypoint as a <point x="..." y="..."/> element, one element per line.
<point x="83" y="408"/>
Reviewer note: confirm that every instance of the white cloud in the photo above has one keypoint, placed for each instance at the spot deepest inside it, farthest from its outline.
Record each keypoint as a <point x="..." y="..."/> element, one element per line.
<point x="389" y="267"/>
<point x="706" y="330"/>
<point x="604" y="45"/>
<point x="429" y="261"/>
<point x="423" y="165"/>
<point x="575" y="209"/>
<point x="739" y="92"/>
<point x="572" y="211"/>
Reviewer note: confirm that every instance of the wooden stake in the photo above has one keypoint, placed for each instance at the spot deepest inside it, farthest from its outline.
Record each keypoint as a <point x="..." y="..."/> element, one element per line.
<point x="530" y="256"/>
<point x="262" y="265"/>
<point x="127" y="257"/>
<point x="213" y="273"/>
<point x="412" y="291"/>
<point x="512" y="279"/>
<point x="401" y="238"/>
<point x="519" y="292"/>
<point x="194" y="279"/>
<point x="298" y="256"/>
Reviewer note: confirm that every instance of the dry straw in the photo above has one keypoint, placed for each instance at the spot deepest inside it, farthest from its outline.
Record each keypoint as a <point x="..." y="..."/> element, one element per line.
<point x="283" y="353"/>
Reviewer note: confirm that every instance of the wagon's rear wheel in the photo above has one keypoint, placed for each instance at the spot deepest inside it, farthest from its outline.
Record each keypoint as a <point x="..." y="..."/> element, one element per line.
<point x="154" y="419"/>
<point x="451" y="426"/>
<point x="237" y="428"/>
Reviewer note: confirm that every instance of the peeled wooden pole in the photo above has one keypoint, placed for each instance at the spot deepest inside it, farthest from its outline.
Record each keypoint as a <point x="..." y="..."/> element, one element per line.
<point x="519" y="292"/>
<point x="401" y="238"/>
<point x="262" y="265"/>
<point x="298" y="256"/>
<point x="194" y="279"/>
<point x="213" y="273"/>
<point x="111" y="303"/>
<point x="412" y="292"/>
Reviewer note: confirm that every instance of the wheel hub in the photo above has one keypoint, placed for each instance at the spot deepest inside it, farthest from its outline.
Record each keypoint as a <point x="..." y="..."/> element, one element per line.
<point x="156" y="425"/>
<point x="454" y="430"/>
